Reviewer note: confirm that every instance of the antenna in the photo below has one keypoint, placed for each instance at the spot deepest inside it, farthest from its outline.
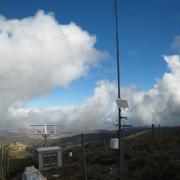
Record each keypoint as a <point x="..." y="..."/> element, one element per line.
<point x="46" y="133"/>
<point x="118" y="78"/>
<point x="120" y="103"/>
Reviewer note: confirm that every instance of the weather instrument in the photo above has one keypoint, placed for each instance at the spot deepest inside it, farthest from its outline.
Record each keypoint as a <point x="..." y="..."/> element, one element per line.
<point x="45" y="130"/>
<point x="121" y="104"/>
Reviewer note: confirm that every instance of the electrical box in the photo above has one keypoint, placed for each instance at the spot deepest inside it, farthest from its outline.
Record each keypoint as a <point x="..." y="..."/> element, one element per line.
<point x="122" y="103"/>
<point x="114" y="143"/>
<point x="70" y="154"/>
<point x="49" y="157"/>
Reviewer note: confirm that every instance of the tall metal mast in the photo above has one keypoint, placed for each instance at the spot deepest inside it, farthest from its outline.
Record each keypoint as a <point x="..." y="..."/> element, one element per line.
<point x="120" y="153"/>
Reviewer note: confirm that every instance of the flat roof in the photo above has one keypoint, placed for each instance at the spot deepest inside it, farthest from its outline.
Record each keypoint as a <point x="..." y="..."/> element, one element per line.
<point x="52" y="148"/>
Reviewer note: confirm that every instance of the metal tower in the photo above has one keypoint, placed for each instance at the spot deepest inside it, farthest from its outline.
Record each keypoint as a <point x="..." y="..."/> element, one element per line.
<point x="120" y="102"/>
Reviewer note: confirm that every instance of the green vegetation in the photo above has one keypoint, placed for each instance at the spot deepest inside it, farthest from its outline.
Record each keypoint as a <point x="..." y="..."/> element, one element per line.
<point x="145" y="159"/>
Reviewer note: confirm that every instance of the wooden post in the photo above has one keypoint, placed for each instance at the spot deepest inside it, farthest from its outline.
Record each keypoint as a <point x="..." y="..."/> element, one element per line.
<point x="84" y="157"/>
<point x="160" y="145"/>
<point x="153" y="133"/>
<point x="153" y="144"/>
<point x="4" y="161"/>
<point x="75" y="144"/>
<point x="1" y="163"/>
<point x="135" y="144"/>
<point x="159" y="131"/>
<point x="7" y="162"/>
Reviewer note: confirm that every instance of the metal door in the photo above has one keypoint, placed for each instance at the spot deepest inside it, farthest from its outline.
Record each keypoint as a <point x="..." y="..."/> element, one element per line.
<point x="46" y="160"/>
<point x="54" y="159"/>
<point x="50" y="159"/>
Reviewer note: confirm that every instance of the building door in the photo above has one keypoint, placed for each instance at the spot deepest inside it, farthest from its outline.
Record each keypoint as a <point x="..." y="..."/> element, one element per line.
<point x="46" y="159"/>
<point x="54" y="159"/>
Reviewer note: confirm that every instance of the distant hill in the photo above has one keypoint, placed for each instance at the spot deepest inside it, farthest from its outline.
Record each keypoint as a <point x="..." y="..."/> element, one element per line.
<point x="7" y="137"/>
<point x="4" y="140"/>
<point x="147" y="156"/>
<point x="94" y="136"/>
<point x="12" y="136"/>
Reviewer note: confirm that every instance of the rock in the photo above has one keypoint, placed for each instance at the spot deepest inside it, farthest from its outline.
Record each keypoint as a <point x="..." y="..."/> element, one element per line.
<point x="31" y="173"/>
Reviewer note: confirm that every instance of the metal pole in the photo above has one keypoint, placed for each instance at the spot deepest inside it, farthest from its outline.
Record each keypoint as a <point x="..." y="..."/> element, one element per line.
<point x="120" y="155"/>
<point x="45" y="140"/>
<point x="84" y="157"/>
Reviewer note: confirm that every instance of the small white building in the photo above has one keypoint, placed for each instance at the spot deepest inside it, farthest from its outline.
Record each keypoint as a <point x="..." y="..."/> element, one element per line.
<point x="49" y="157"/>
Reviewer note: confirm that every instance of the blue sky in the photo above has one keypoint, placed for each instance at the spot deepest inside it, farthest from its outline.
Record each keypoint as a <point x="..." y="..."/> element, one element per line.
<point x="146" y="30"/>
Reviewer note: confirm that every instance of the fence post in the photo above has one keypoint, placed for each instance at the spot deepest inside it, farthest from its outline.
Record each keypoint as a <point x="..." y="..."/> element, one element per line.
<point x="1" y="163"/>
<point x="7" y="161"/>
<point x="4" y="161"/>
<point x="84" y="157"/>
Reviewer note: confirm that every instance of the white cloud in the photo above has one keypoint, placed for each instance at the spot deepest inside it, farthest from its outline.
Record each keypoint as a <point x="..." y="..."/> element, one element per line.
<point x="38" y="54"/>
<point x="161" y="104"/>
<point x="97" y="109"/>
<point x="176" y="43"/>
<point x="91" y="114"/>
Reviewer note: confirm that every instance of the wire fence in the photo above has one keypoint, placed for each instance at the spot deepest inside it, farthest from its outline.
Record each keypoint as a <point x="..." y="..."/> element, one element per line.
<point x="4" y="162"/>
<point x="9" y="165"/>
<point x="151" y="145"/>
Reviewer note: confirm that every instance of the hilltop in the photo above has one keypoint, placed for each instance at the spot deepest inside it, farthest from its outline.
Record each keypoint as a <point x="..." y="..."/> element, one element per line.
<point x="145" y="158"/>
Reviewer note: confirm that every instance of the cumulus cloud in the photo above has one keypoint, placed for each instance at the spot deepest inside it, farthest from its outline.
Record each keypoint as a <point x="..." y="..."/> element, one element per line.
<point x="95" y="112"/>
<point x="160" y="104"/>
<point x="38" y="54"/>
<point x="176" y="44"/>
